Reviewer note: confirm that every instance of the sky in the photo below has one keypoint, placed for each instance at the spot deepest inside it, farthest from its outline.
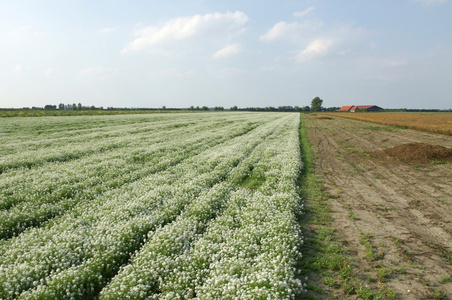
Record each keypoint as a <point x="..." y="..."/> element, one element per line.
<point x="130" y="53"/>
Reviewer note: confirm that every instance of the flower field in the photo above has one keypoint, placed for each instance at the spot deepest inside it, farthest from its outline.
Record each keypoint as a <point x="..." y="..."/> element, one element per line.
<point x="158" y="206"/>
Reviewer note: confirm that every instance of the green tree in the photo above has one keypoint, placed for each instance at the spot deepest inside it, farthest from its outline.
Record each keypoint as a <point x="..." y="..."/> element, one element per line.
<point x="316" y="104"/>
<point x="234" y="108"/>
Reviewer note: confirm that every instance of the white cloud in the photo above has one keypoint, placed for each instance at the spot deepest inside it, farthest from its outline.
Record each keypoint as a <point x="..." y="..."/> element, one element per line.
<point x="228" y="51"/>
<point x="99" y="72"/>
<point x="208" y="25"/>
<point x="290" y="31"/>
<point x="304" y="12"/>
<point x="315" y="39"/>
<point x="314" y="49"/>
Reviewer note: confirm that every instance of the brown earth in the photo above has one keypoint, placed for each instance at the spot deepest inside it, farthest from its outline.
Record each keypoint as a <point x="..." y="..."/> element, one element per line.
<point x="388" y="185"/>
<point x="419" y="153"/>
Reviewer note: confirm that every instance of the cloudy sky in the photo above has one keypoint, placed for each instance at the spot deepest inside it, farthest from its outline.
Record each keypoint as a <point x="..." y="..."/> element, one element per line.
<point x="130" y="53"/>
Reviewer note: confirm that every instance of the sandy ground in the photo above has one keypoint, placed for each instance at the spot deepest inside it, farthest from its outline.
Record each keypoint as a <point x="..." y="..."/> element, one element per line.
<point x="404" y="208"/>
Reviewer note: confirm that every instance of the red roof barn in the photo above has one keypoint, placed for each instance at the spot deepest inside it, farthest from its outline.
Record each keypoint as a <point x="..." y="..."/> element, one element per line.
<point x="366" y="108"/>
<point x="346" y="108"/>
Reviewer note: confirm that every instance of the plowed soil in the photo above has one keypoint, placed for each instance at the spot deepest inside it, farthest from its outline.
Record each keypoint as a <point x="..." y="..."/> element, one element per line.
<point x="394" y="185"/>
<point x="419" y="153"/>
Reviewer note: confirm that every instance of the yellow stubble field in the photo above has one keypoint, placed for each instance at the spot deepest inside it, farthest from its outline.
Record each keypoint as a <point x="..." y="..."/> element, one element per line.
<point x="431" y="122"/>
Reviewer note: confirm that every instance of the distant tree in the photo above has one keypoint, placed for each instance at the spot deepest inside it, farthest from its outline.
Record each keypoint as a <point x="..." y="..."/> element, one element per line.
<point x="316" y="104"/>
<point x="297" y="108"/>
<point x="234" y="108"/>
<point x="218" y="108"/>
<point x="306" y="108"/>
<point x="192" y="108"/>
<point x="332" y="108"/>
<point x="79" y="106"/>
<point x="61" y="106"/>
<point x="204" y="108"/>
<point x="50" y="107"/>
<point x="74" y="107"/>
<point x="163" y="107"/>
<point x="281" y="108"/>
<point x="197" y="108"/>
<point x="270" y="108"/>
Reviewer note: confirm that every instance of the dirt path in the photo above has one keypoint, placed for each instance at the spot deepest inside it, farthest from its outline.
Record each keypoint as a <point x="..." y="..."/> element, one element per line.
<point x="394" y="218"/>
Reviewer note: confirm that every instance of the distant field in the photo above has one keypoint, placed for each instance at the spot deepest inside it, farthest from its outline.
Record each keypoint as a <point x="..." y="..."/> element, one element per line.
<point x="4" y="113"/>
<point x="431" y="122"/>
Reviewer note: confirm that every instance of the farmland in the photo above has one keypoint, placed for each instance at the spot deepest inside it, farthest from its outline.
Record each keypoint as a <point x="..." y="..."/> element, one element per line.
<point x="431" y="122"/>
<point x="388" y="211"/>
<point x="159" y="206"/>
<point x="223" y="205"/>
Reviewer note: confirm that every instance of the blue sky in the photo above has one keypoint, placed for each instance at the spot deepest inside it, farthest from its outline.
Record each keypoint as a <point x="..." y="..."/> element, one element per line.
<point x="394" y="54"/>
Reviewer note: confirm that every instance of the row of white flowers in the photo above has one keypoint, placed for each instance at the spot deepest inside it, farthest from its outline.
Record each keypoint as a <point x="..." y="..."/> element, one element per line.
<point x="30" y="197"/>
<point x="75" y="255"/>
<point x="29" y="142"/>
<point x="248" y="251"/>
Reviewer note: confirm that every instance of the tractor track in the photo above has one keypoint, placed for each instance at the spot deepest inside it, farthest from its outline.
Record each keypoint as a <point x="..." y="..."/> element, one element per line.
<point x="405" y="208"/>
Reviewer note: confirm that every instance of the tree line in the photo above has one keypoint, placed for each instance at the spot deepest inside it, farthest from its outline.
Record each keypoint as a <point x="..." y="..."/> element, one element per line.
<point x="316" y="105"/>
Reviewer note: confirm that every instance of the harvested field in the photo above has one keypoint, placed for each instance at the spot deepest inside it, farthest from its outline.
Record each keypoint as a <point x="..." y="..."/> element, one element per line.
<point x="431" y="122"/>
<point x="390" y="200"/>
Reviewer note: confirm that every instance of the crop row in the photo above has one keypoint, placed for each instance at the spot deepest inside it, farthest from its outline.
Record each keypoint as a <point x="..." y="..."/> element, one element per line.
<point x="181" y="223"/>
<point x="31" y="197"/>
<point x="249" y="251"/>
<point x="23" y="149"/>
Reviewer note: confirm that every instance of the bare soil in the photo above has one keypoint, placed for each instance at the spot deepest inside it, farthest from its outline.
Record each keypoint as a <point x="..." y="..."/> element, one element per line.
<point x="395" y="188"/>
<point x="419" y="153"/>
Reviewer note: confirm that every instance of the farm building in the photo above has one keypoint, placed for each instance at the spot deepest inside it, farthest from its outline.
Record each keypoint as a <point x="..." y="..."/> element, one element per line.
<point x="366" y="108"/>
<point x="354" y="108"/>
<point x="346" y="108"/>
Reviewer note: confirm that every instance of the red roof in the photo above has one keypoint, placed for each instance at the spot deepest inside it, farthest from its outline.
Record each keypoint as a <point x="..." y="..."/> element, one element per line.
<point x="345" y="108"/>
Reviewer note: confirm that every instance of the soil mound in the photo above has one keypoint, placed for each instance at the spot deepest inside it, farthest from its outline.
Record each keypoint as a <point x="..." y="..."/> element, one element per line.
<point x="419" y="153"/>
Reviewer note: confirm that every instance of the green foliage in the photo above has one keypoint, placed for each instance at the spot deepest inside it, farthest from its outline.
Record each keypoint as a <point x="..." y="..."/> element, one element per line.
<point x="316" y="104"/>
<point x="255" y="178"/>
